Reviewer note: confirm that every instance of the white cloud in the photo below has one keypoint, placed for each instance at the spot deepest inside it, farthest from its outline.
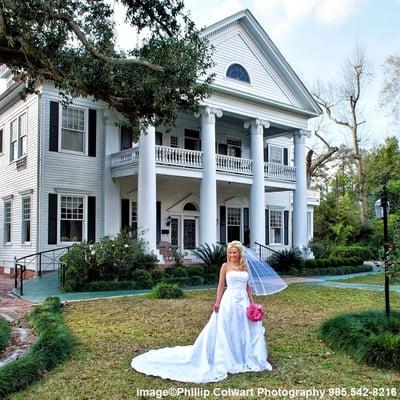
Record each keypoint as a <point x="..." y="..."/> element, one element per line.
<point x="281" y="16"/>
<point x="334" y="12"/>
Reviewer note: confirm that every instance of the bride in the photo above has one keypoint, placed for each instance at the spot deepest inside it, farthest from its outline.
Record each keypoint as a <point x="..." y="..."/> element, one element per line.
<point x="229" y="343"/>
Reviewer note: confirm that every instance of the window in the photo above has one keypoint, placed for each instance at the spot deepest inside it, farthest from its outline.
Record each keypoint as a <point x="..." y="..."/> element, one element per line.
<point x="275" y="155"/>
<point x="7" y="221"/>
<point x="189" y="207"/>
<point x="1" y="141"/>
<point x="134" y="223"/>
<point x="236" y="71"/>
<point x="275" y="224"/>
<point x="73" y="129"/>
<point x="234" y="219"/>
<point x="234" y="148"/>
<point x="174" y="141"/>
<point x="26" y="219"/>
<point x="72" y="217"/>
<point x="18" y="130"/>
<point x="126" y="138"/>
<point x="159" y="138"/>
<point x="192" y="140"/>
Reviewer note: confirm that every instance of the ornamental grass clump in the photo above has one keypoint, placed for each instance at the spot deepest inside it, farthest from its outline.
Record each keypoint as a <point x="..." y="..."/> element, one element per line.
<point x="53" y="345"/>
<point x="370" y="337"/>
<point x="4" y="334"/>
<point x="166" y="291"/>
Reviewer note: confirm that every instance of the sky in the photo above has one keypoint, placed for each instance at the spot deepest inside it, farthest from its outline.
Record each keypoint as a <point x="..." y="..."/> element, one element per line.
<point x="316" y="37"/>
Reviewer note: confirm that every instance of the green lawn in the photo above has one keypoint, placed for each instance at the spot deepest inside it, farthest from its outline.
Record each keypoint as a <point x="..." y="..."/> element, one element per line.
<point x="376" y="279"/>
<point x="110" y="332"/>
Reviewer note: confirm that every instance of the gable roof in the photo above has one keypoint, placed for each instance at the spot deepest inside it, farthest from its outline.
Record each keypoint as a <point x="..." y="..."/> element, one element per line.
<point x="272" y="54"/>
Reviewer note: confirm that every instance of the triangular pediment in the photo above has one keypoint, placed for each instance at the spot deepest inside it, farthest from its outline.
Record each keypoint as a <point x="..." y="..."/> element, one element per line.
<point x="240" y="39"/>
<point x="178" y="207"/>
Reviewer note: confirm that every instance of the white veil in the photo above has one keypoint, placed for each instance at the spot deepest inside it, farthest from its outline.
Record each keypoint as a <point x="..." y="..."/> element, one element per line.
<point x="262" y="278"/>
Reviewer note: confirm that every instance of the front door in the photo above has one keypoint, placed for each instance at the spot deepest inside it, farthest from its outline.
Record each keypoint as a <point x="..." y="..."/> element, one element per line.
<point x="189" y="233"/>
<point x="184" y="232"/>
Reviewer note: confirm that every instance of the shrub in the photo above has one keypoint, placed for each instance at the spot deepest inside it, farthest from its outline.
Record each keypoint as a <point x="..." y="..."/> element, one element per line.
<point x="285" y="259"/>
<point x="111" y="259"/>
<point x="142" y="279"/>
<point x="165" y="290"/>
<point x="211" y="255"/>
<point x="354" y="250"/>
<point x="176" y="271"/>
<point x="195" y="270"/>
<point x="157" y="275"/>
<point x="98" y="286"/>
<point x="212" y="269"/>
<point x="369" y="337"/>
<point x="4" y="334"/>
<point x="54" y="344"/>
<point x="195" y="280"/>
<point x="210" y="278"/>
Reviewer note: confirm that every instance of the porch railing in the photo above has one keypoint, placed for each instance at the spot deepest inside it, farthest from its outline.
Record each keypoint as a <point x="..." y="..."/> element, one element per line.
<point x="265" y="253"/>
<point x="234" y="164"/>
<point x="48" y="260"/>
<point x="178" y="157"/>
<point x="279" y="172"/>
<point x="125" y="157"/>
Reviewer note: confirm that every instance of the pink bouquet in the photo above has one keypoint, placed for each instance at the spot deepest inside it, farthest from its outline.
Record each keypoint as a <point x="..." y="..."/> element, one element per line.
<point x="255" y="312"/>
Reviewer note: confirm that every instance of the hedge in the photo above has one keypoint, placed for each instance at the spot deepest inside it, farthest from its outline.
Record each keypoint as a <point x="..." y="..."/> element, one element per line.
<point x="369" y="337"/>
<point x="53" y="345"/>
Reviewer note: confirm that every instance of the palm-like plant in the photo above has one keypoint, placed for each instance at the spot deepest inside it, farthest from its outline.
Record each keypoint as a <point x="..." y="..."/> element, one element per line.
<point x="211" y="255"/>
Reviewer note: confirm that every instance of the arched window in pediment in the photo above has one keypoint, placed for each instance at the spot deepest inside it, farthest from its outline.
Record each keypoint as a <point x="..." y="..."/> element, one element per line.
<point x="236" y="71"/>
<point x="190" y="207"/>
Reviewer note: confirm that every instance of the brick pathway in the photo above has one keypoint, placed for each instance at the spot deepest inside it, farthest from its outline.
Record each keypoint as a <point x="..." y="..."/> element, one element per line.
<point x="9" y="304"/>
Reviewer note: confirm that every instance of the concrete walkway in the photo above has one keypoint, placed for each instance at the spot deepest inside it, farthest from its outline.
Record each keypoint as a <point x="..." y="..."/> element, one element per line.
<point x="36" y="290"/>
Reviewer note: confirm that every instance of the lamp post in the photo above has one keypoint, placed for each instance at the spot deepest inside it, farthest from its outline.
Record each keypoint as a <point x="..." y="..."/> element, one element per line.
<point x="382" y="209"/>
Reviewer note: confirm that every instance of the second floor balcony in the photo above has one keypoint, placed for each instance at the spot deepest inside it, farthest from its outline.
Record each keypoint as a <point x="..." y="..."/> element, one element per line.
<point x="179" y="158"/>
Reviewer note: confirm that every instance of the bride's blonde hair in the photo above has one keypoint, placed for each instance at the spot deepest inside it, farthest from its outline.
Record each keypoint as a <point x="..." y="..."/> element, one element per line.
<point x="237" y="245"/>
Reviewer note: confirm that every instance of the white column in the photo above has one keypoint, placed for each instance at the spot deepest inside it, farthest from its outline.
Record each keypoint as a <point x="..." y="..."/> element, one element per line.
<point x="257" y="193"/>
<point x="300" y="194"/>
<point x="112" y="196"/>
<point x="147" y="198"/>
<point x="208" y="185"/>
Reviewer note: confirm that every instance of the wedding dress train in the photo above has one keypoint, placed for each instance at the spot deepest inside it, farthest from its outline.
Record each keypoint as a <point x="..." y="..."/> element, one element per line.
<point x="229" y="343"/>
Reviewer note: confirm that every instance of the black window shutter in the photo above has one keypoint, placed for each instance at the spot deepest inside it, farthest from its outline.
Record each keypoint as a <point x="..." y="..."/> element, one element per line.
<point x="126" y="138"/>
<point x="52" y="223"/>
<point x="92" y="133"/>
<point x="91" y="219"/>
<point x="125" y="220"/>
<point x="286" y="226"/>
<point x="266" y="154"/>
<point x="222" y="224"/>
<point x="158" y="221"/>
<point x="266" y="226"/>
<point x="285" y="156"/>
<point x="246" y="227"/>
<point x="54" y="116"/>
<point x="1" y="140"/>
<point x="159" y="136"/>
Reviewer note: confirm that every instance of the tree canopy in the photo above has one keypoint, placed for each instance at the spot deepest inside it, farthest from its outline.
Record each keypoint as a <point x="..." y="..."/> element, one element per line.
<point x="72" y="43"/>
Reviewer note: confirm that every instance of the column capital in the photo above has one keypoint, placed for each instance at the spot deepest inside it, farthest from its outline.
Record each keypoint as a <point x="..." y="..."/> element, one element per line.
<point x="302" y="133"/>
<point x="210" y="113"/>
<point x="258" y="123"/>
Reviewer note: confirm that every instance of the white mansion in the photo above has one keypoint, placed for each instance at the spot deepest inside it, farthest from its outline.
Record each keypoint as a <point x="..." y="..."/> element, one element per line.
<point x="236" y="171"/>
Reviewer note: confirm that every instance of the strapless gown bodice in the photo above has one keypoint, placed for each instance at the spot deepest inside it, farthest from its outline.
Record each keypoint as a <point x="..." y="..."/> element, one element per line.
<point x="229" y="343"/>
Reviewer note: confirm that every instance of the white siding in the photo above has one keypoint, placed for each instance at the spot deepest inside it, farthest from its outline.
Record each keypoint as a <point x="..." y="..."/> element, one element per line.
<point x="72" y="173"/>
<point x="16" y="183"/>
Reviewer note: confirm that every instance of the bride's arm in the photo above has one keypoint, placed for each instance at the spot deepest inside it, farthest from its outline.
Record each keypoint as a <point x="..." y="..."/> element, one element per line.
<point x="250" y="294"/>
<point x="221" y="286"/>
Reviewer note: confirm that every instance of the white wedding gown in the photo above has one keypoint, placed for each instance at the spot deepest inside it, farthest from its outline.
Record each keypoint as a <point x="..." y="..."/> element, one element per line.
<point x="229" y="343"/>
